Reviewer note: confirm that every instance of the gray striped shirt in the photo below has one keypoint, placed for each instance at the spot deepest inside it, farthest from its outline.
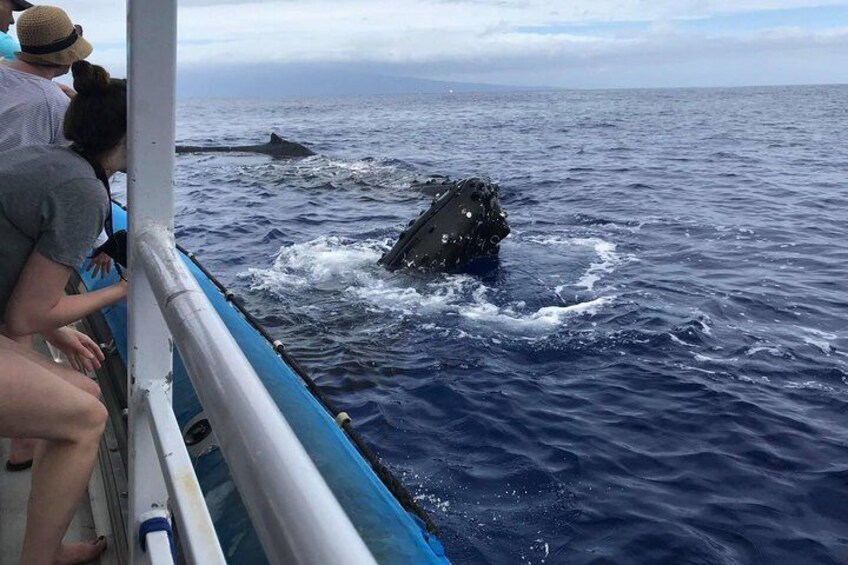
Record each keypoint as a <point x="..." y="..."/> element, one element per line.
<point x="31" y="110"/>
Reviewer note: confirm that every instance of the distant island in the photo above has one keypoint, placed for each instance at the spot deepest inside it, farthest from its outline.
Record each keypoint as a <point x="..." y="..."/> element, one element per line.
<point x="284" y="81"/>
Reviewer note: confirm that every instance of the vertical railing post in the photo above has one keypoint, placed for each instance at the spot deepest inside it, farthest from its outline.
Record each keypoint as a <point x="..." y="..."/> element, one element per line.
<point x="152" y="47"/>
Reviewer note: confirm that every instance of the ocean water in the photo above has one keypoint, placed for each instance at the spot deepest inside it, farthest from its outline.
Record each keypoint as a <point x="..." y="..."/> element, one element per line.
<point x="655" y="370"/>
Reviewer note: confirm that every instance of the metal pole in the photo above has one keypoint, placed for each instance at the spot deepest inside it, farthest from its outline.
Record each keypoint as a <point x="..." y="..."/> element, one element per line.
<point x="294" y="512"/>
<point x="159" y="549"/>
<point x="199" y="541"/>
<point x="152" y="47"/>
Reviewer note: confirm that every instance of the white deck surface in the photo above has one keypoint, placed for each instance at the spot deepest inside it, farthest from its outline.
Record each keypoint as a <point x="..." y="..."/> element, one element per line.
<point x="14" y="493"/>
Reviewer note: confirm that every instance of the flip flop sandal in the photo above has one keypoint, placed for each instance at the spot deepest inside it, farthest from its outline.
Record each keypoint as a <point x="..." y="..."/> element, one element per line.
<point x="15" y="467"/>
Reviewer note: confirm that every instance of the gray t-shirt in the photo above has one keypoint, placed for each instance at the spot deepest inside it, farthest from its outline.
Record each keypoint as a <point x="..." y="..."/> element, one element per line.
<point x="50" y="202"/>
<point x="32" y="110"/>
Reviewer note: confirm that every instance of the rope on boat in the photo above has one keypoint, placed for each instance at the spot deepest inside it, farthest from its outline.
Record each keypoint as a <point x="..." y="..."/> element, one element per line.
<point x="342" y="419"/>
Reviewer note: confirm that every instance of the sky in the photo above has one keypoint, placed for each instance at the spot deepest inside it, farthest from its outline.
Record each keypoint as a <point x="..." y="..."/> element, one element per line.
<point x="539" y="43"/>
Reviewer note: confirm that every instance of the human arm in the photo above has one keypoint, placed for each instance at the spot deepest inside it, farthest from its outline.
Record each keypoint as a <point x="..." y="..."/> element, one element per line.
<point x="39" y="303"/>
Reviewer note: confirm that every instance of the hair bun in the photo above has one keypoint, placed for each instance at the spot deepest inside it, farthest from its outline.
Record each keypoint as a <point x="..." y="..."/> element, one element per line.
<point x="89" y="79"/>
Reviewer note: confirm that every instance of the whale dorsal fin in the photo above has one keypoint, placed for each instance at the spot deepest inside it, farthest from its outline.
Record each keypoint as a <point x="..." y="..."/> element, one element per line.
<point x="275" y="139"/>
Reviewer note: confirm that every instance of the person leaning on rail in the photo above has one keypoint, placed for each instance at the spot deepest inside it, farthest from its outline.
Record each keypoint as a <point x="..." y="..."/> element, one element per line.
<point x="32" y="109"/>
<point x="53" y="202"/>
<point x="8" y="46"/>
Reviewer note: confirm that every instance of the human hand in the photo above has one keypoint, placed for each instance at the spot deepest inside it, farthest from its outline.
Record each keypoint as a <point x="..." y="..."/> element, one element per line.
<point x="101" y="263"/>
<point x="80" y="349"/>
<point x="69" y="92"/>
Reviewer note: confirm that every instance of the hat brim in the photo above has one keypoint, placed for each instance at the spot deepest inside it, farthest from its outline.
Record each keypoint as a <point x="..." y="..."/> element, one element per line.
<point x="80" y="49"/>
<point x="20" y="5"/>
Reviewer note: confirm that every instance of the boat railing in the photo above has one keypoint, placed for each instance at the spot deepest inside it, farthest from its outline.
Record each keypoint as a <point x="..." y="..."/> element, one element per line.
<point x="295" y="514"/>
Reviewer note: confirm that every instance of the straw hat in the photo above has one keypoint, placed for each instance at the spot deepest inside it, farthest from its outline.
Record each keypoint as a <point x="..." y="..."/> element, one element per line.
<point x="48" y="37"/>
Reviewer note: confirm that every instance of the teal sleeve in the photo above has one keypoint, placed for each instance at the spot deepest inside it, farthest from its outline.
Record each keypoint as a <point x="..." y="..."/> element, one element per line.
<point x="8" y="46"/>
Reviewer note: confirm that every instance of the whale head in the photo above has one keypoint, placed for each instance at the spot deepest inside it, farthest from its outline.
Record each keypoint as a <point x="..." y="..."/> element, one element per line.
<point x="462" y="224"/>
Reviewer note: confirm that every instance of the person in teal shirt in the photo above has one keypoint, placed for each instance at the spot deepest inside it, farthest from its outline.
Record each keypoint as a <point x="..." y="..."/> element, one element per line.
<point x="8" y="45"/>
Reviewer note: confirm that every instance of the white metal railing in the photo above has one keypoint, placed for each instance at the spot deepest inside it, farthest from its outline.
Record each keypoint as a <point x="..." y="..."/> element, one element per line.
<point x="199" y="540"/>
<point x="296" y="516"/>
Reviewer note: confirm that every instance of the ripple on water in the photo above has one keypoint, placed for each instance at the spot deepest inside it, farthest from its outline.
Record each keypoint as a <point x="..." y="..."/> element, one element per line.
<point x="654" y="370"/>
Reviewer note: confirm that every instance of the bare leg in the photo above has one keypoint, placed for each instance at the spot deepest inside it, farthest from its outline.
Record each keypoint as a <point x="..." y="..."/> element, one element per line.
<point x="75" y="378"/>
<point x="37" y="403"/>
<point x="22" y="450"/>
<point x="75" y="553"/>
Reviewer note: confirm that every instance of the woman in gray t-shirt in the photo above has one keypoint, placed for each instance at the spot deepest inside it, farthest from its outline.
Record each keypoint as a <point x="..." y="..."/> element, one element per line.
<point x="53" y="202"/>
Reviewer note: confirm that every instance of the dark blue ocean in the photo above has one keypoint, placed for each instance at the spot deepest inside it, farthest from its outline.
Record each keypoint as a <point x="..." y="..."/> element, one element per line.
<point x="655" y="370"/>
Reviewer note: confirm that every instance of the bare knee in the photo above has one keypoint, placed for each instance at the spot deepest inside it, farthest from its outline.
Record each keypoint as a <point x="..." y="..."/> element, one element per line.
<point x="97" y="416"/>
<point x="89" y="424"/>
<point x="91" y="387"/>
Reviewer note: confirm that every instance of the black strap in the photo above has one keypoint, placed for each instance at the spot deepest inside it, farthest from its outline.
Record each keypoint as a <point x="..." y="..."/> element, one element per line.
<point x="100" y="173"/>
<point x="54" y="47"/>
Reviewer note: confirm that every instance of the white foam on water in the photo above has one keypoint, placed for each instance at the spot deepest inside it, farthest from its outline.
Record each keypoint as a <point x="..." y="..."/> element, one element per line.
<point x="355" y="167"/>
<point x="466" y="298"/>
<point x="754" y="349"/>
<point x="546" y="318"/>
<point x="808" y="385"/>
<point x="704" y="321"/>
<point x="608" y="261"/>
<point x="822" y="345"/>
<point x="679" y="341"/>
<point x="819" y="333"/>
<point x="322" y="262"/>
<point x="608" y="258"/>
<point x="698" y="369"/>
<point x="434" y="501"/>
<point x="350" y="267"/>
<point x="371" y="171"/>
<point x="819" y="339"/>
<point x="704" y="359"/>
<point x="442" y="296"/>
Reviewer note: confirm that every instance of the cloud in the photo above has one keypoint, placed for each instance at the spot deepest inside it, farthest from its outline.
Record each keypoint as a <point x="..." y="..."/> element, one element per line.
<point x="446" y="38"/>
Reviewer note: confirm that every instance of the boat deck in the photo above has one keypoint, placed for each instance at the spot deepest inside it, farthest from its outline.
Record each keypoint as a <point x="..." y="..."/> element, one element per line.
<point x="91" y="520"/>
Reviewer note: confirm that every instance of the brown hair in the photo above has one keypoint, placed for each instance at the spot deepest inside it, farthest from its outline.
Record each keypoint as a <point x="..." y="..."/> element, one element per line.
<point x="96" y="120"/>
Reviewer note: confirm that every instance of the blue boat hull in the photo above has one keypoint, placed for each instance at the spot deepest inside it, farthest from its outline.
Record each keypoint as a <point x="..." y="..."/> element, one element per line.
<point x="393" y="535"/>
